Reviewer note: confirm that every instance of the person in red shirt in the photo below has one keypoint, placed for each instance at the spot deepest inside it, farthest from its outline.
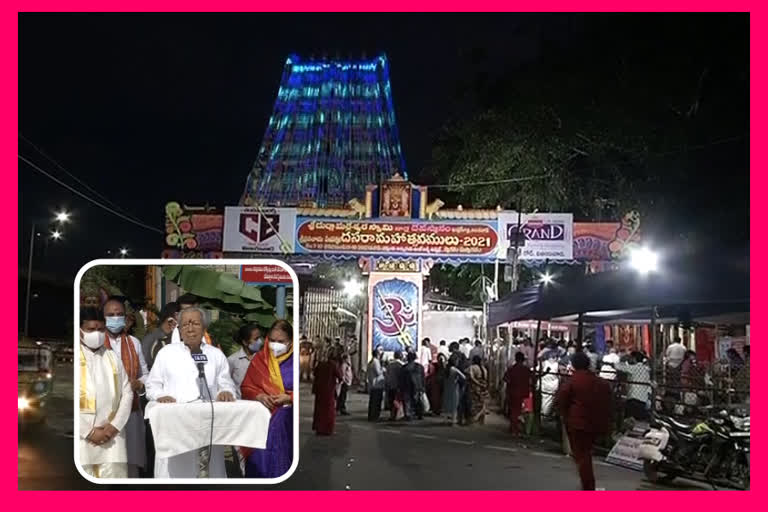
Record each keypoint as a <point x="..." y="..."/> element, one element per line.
<point x="584" y="402"/>
<point x="518" y="379"/>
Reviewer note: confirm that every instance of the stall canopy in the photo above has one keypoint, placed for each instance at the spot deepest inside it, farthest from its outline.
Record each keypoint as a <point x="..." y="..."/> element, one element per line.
<point x="222" y="291"/>
<point x="690" y="287"/>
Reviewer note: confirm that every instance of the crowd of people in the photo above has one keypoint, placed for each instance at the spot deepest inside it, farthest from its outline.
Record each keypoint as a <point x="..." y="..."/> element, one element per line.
<point x="120" y="375"/>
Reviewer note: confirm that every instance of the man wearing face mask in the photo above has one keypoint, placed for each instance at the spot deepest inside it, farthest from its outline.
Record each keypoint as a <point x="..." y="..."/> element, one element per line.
<point x="269" y="380"/>
<point x="128" y="349"/>
<point x="105" y="402"/>
<point x="174" y="379"/>
<point x="251" y="340"/>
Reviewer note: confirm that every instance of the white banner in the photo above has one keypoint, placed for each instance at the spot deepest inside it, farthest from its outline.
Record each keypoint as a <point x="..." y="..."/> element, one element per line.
<point x="267" y="230"/>
<point x="546" y="236"/>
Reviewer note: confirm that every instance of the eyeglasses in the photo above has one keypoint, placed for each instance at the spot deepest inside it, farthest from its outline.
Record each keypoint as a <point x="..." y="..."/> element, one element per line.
<point x="191" y="324"/>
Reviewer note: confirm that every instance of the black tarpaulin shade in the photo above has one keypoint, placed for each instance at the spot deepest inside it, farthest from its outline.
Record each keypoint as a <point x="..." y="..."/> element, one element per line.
<point x="685" y="287"/>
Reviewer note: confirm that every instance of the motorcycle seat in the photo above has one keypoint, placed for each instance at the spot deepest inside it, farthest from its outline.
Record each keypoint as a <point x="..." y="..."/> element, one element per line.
<point x="678" y="424"/>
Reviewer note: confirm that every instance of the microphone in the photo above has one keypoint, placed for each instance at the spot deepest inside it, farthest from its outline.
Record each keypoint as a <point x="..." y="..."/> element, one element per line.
<point x="201" y="360"/>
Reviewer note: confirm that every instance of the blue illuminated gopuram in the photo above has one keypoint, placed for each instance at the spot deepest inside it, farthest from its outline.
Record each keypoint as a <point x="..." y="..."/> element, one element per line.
<point x="331" y="133"/>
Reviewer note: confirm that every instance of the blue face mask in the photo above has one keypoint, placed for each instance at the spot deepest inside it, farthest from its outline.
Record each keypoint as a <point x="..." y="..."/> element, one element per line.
<point x="256" y="345"/>
<point x="115" y="324"/>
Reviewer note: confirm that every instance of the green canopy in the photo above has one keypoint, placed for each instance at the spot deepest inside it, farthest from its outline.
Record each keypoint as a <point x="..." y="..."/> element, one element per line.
<point x="222" y="291"/>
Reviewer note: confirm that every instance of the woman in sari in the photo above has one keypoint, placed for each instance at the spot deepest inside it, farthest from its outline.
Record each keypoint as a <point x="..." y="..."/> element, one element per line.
<point x="454" y="380"/>
<point x="327" y="375"/>
<point x="269" y="379"/>
<point x="435" y="383"/>
<point x="478" y="387"/>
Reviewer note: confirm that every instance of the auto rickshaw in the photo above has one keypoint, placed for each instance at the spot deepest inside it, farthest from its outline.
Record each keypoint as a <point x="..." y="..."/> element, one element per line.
<point x="36" y="370"/>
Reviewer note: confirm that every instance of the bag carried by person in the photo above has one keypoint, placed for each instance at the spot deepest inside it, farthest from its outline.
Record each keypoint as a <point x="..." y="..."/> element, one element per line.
<point x="425" y="403"/>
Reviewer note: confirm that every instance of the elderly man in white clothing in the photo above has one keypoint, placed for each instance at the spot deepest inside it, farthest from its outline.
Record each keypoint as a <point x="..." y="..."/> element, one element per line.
<point x="105" y="402"/>
<point x="128" y="350"/>
<point x="187" y="301"/>
<point x="174" y="379"/>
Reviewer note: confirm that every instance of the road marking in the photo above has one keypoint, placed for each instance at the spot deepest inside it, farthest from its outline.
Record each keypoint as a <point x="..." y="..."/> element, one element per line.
<point x="549" y="455"/>
<point x="424" y="436"/>
<point x="502" y="448"/>
<point x="459" y="441"/>
<point x="389" y="431"/>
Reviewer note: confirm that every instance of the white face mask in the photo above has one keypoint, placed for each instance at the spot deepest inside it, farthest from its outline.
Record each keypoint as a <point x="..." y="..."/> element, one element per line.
<point x="278" y="348"/>
<point x="93" y="340"/>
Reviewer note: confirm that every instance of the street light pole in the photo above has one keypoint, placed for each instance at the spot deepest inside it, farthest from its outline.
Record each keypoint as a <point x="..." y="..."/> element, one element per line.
<point x="60" y="218"/>
<point x="29" y="279"/>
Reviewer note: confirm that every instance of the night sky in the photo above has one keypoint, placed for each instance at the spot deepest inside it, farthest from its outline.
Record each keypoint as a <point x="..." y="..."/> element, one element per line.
<point x="151" y="108"/>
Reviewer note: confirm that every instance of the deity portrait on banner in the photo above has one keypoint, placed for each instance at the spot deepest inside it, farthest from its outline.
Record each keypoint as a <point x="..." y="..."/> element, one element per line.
<point x="395" y="320"/>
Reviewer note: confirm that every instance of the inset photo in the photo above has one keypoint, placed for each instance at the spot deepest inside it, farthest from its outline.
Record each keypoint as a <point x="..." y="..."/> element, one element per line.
<point x="184" y="371"/>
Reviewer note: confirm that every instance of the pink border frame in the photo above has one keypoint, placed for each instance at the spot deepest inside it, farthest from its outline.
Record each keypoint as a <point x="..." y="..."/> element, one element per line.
<point x="9" y="49"/>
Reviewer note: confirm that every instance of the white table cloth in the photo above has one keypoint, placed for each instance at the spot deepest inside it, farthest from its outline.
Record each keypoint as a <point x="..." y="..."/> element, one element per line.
<point x="181" y="428"/>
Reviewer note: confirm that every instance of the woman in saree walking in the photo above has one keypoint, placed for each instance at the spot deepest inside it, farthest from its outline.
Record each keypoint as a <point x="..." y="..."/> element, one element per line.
<point x="478" y="388"/>
<point x="327" y="375"/>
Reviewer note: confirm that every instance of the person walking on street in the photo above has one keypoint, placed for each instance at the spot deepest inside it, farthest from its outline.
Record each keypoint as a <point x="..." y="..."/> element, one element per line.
<point x="425" y="353"/>
<point x="435" y="383"/>
<point x="392" y="384"/>
<point x="462" y="364"/>
<point x="454" y="381"/>
<point x="343" y="386"/>
<point x="477" y="350"/>
<point x="518" y="380"/>
<point x="412" y="388"/>
<point x="478" y="387"/>
<point x="305" y="359"/>
<point x="584" y="402"/>
<point x="326" y="375"/>
<point x="466" y="347"/>
<point x="376" y="382"/>
<point x="443" y="349"/>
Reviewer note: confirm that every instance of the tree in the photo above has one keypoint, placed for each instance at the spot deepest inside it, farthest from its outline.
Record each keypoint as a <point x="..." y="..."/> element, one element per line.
<point x="627" y="118"/>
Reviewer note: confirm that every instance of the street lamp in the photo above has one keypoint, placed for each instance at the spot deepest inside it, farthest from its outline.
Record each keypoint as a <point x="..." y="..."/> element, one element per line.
<point x="123" y="252"/>
<point x="352" y="288"/>
<point x="546" y="278"/>
<point x="60" y="218"/>
<point x="644" y="260"/>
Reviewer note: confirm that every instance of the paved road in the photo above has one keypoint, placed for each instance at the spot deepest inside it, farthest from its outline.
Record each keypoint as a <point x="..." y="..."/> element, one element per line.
<point x="430" y="455"/>
<point x="361" y="456"/>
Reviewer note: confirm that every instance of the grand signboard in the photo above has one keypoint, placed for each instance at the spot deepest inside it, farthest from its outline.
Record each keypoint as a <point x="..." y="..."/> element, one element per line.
<point x="262" y="230"/>
<point x="543" y="236"/>
<point x="459" y="240"/>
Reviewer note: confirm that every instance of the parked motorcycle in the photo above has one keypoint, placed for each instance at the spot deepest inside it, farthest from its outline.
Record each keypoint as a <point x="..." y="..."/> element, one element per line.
<point x="715" y="450"/>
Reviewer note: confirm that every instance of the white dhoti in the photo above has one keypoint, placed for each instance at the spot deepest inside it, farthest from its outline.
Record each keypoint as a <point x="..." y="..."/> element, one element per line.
<point x="105" y="398"/>
<point x="187" y="465"/>
<point x="109" y="470"/>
